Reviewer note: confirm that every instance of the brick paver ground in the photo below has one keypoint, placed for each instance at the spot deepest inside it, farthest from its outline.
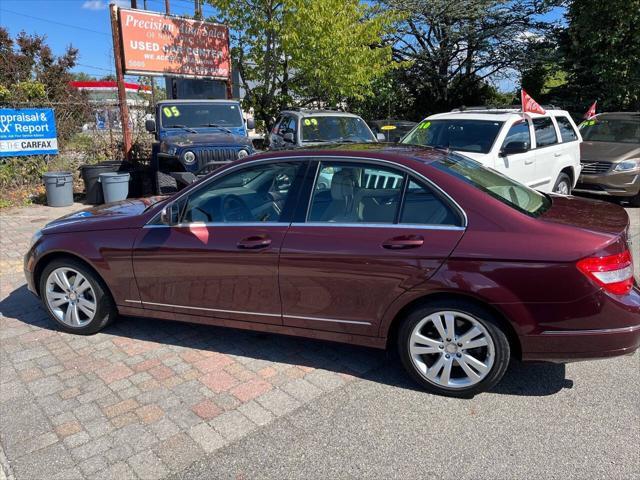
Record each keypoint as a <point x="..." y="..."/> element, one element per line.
<point x="144" y="398"/>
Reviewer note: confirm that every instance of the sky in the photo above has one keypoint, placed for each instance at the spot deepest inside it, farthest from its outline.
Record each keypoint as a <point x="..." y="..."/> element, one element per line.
<point x="85" y="24"/>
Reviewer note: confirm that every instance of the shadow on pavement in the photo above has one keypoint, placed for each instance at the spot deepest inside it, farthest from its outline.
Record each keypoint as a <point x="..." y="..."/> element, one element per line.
<point x="538" y="379"/>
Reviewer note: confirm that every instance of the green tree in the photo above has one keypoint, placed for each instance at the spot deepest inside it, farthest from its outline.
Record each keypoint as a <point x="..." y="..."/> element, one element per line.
<point x="303" y="52"/>
<point x="456" y="49"/>
<point x="602" y="53"/>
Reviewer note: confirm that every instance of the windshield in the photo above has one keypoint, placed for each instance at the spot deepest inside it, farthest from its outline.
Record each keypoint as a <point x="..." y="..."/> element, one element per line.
<point x="201" y="115"/>
<point x="335" y="129"/>
<point x="464" y="135"/>
<point x="615" y="130"/>
<point x="506" y="190"/>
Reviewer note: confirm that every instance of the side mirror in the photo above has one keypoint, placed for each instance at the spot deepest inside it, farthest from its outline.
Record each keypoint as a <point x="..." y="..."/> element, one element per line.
<point x="251" y="123"/>
<point x="170" y="214"/>
<point x="381" y="137"/>
<point x="150" y="126"/>
<point x="288" y="137"/>
<point x="513" y="148"/>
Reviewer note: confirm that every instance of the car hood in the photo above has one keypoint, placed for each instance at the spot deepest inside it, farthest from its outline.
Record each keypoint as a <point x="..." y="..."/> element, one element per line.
<point x="594" y="215"/>
<point x="608" y="151"/>
<point x="110" y="216"/>
<point x="205" y="137"/>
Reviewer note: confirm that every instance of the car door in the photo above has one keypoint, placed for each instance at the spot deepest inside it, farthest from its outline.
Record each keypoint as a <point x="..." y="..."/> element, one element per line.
<point x="547" y="152"/>
<point x="220" y="259"/>
<point x="369" y="233"/>
<point x="519" y="166"/>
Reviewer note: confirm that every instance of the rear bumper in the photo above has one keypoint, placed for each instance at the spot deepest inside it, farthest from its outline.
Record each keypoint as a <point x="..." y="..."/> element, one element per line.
<point x="582" y="344"/>
<point x="613" y="329"/>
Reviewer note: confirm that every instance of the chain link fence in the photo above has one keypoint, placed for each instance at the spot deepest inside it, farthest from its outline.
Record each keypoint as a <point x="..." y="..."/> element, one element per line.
<point x="87" y="133"/>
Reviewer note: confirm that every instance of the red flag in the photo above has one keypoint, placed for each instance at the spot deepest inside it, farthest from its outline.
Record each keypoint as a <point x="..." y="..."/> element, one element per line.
<point x="592" y="111"/>
<point x="529" y="104"/>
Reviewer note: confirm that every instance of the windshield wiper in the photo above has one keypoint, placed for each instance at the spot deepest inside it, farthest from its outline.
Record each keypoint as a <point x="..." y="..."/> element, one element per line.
<point x="215" y="125"/>
<point x="183" y="127"/>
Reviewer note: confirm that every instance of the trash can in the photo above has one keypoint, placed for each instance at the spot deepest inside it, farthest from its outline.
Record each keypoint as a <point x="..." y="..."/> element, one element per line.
<point x="59" y="186"/>
<point x="115" y="186"/>
<point x="90" y="175"/>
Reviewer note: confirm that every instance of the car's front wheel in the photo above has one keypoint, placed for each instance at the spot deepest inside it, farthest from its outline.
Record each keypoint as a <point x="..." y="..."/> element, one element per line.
<point x="453" y="348"/>
<point x="75" y="297"/>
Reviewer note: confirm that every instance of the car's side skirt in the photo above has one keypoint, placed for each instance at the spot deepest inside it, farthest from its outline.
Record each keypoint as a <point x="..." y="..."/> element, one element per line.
<point x="374" y="342"/>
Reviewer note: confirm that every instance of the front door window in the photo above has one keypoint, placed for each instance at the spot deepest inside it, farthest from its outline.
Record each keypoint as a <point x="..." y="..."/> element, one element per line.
<point x="255" y="194"/>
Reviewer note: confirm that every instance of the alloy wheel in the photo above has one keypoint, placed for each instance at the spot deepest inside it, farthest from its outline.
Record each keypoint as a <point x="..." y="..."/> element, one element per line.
<point x="70" y="297"/>
<point x="451" y="350"/>
<point x="562" y="188"/>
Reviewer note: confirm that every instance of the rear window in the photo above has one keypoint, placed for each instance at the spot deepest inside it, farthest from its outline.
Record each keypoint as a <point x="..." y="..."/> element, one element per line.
<point x="502" y="188"/>
<point x="567" y="133"/>
<point x="463" y="135"/>
<point x="545" y="132"/>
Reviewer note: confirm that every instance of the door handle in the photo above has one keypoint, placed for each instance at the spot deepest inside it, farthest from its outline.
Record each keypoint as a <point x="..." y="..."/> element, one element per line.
<point x="529" y="162"/>
<point x="254" y="242"/>
<point x="557" y="154"/>
<point x="403" y="242"/>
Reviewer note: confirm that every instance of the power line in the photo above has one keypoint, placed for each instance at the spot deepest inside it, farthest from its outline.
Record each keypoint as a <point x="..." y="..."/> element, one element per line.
<point x="54" y="22"/>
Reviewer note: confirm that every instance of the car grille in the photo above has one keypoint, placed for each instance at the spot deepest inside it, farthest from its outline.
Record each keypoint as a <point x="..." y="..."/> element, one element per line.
<point x="592" y="168"/>
<point x="209" y="155"/>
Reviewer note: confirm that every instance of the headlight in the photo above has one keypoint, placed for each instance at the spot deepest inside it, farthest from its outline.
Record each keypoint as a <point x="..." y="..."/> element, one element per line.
<point x="243" y="154"/>
<point x="189" y="157"/>
<point x="36" y="236"/>
<point x="627" y="165"/>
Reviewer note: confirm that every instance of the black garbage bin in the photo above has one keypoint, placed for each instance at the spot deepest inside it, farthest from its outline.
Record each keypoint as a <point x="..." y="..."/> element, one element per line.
<point x="90" y="175"/>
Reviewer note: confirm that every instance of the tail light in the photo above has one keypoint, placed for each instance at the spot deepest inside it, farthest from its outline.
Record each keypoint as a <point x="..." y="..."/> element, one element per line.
<point x="614" y="273"/>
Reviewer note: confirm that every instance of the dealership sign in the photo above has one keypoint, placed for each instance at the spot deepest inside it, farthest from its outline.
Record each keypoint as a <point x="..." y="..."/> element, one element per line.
<point x="163" y="45"/>
<point x="27" y="131"/>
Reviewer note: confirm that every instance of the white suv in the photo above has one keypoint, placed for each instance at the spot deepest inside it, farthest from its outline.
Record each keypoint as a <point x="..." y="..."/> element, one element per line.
<point x="541" y="151"/>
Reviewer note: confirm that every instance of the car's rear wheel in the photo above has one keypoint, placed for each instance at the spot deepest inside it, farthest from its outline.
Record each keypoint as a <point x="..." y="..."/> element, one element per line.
<point x="453" y="348"/>
<point x="563" y="185"/>
<point x="75" y="297"/>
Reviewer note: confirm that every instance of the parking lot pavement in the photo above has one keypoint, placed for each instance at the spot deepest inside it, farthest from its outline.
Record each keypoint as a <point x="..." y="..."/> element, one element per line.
<point x="153" y="399"/>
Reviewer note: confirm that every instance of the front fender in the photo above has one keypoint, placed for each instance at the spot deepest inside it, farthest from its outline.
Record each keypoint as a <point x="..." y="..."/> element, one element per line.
<point x="108" y="252"/>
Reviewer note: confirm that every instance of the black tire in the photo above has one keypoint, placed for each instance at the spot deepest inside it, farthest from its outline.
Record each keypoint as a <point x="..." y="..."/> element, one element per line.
<point x="166" y="183"/>
<point x="634" y="201"/>
<point x="563" y="179"/>
<point x="106" y="311"/>
<point x="502" y="351"/>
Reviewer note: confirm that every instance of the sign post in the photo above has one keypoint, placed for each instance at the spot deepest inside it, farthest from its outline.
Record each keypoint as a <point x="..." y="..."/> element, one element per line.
<point x="27" y="131"/>
<point x="122" y="93"/>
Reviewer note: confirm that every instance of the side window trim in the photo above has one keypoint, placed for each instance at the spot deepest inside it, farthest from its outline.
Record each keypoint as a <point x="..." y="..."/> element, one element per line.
<point x="555" y="128"/>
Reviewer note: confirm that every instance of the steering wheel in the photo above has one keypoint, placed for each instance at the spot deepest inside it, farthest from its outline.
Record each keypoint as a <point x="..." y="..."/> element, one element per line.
<point x="235" y="210"/>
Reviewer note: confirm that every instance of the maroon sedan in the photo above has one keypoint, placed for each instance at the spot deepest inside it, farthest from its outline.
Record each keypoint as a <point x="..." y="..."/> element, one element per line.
<point x="458" y="266"/>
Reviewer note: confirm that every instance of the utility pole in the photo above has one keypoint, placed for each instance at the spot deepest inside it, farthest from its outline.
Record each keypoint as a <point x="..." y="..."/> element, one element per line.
<point x="134" y="4"/>
<point x="122" y="93"/>
<point x="197" y="10"/>
<point x="166" y="7"/>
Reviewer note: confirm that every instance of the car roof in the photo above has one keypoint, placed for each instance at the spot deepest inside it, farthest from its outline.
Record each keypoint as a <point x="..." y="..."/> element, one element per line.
<point x="493" y="115"/>
<point x="196" y="100"/>
<point x="620" y="115"/>
<point x="318" y="113"/>
<point x="388" y="151"/>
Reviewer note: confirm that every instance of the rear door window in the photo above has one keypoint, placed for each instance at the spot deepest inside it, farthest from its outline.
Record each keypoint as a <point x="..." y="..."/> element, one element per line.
<point x="421" y="206"/>
<point x="567" y="132"/>
<point x="545" y="132"/>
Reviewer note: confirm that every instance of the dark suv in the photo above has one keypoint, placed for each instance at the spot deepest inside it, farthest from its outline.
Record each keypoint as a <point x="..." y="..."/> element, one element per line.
<point x="303" y="128"/>
<point x="194" y="137"/>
